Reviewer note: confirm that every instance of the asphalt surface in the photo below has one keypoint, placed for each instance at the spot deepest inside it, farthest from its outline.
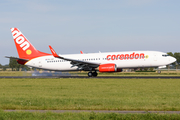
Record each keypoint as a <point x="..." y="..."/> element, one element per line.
<point x="104" y="77"/>
<point x="96" y="111"/>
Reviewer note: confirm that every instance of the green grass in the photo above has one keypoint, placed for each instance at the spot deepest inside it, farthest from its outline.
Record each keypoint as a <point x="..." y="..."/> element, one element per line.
<point x="90" y="94"/>
<point x="85" y="116"/>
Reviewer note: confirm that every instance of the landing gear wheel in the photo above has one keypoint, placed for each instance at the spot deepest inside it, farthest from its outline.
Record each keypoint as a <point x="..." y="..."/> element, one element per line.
<point x="159" y="71"/>
<point x="94" y="74"/>
<point x="90" y="74"/>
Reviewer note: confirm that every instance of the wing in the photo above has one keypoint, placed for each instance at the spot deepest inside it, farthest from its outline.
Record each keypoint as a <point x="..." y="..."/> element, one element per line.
<point x="82" y="65"/>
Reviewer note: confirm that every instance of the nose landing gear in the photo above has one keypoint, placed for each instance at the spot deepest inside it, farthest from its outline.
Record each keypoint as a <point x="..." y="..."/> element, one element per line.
<point x="92" y="74"/>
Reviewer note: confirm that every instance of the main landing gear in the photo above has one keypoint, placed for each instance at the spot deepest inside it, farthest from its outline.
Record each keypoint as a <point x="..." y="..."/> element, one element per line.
<point x="159" y="71"/>
<point x="92" y="74"/>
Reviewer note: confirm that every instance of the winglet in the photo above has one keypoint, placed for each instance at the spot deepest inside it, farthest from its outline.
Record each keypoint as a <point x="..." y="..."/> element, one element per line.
<point x="53" y="52"/>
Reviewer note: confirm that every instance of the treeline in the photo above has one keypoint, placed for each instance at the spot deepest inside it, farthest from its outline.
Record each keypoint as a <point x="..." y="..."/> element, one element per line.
<point x="3" y="67"/>
<point x="13" y="64"/>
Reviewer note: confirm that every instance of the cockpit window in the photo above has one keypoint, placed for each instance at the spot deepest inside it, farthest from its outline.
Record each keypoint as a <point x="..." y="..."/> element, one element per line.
<point x="165" y="55"/>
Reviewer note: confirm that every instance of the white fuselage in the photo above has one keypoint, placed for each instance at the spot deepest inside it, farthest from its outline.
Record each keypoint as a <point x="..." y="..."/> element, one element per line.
<point x="149" y="59"/>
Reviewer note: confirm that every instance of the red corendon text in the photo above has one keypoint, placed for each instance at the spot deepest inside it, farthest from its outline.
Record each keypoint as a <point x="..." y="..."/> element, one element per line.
<point x="126" y="56"/>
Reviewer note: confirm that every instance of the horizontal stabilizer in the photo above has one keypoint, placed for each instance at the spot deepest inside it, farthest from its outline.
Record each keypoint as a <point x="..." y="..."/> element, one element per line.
<point x="16" y="58"/>
<point x="19" y="60"/>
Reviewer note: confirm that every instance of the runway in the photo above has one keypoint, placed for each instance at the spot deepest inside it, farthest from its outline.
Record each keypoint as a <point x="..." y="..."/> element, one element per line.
<point x="96" y="111"/>
<point x="102" y="77"/>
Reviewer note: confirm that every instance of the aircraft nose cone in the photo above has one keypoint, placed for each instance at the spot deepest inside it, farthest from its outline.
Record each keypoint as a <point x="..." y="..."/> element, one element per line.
<point x="173" y="59"/>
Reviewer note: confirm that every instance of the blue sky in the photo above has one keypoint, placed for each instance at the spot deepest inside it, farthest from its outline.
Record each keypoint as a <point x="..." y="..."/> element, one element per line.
<point x="70" y="26"/>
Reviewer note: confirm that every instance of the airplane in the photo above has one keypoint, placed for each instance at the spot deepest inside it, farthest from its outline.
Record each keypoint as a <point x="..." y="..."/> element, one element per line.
<point x="92" y="62"/>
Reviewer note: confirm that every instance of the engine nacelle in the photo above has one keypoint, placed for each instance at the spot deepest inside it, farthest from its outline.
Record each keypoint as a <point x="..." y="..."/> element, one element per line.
<point x="111" y="67"/>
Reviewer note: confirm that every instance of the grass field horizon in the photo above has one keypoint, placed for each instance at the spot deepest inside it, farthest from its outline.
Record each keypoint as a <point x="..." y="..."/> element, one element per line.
<point x="90" y="94"/>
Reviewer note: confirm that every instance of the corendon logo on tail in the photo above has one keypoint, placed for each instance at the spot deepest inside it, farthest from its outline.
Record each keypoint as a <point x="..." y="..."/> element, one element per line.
<point x="21" y="40"/>
<point x="126" y="56"/>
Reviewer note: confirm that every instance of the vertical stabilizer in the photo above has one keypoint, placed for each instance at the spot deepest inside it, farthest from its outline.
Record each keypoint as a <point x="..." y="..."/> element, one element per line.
<point x="24" y="48"/>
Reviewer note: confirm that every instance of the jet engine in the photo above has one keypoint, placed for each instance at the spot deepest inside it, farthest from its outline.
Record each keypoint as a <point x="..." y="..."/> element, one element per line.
<point x="110" y="67"/>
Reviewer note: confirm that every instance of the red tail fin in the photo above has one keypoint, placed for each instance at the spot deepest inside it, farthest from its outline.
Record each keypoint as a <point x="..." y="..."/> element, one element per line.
<point x="24" y="48"/>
